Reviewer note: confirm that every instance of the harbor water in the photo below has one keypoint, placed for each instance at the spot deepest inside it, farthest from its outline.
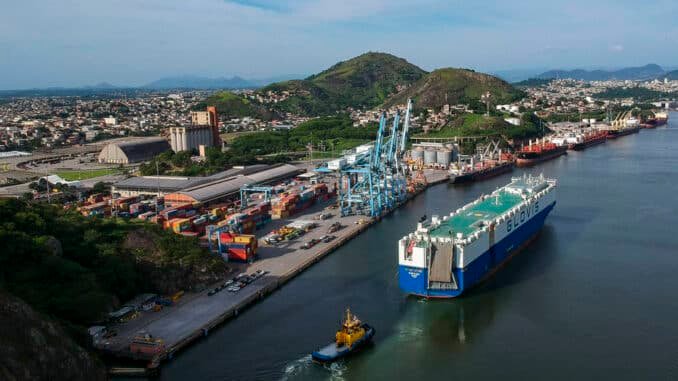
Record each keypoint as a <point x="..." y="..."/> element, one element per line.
<point x="593" y="297"/>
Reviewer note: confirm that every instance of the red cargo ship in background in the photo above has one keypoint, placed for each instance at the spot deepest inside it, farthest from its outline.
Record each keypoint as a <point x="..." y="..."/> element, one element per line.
<point x="659" y="119"/>
<point x="538" y="152"/>
<point x="483" y="170"/>
<point x="590" y="139"/>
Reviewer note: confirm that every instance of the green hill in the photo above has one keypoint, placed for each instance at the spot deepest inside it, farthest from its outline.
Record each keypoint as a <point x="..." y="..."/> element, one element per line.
<point x="480" y="125"/>
<point x="365" y="81"/>
<point x="455" y="86"/>
<point x="232" y="105"/>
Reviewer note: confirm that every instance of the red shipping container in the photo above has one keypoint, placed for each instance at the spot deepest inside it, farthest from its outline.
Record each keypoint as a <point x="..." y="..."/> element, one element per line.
<point x="238" y="254"/>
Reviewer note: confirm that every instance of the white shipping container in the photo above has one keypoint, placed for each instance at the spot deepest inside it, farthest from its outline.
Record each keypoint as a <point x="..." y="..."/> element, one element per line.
<point x="363" y="148"/>
<point x="336" y="164"/>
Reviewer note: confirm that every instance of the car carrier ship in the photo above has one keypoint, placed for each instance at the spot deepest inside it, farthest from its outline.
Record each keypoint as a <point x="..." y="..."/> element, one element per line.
<point x="446" y="256"/>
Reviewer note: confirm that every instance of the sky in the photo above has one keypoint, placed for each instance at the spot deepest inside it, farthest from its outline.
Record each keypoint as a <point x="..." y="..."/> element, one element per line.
<point x="46" y="43"/>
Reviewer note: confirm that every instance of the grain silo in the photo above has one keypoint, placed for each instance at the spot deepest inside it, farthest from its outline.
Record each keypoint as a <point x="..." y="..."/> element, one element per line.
<point x="444" y="157"/>
<point x="430" y="156"/>
<point x="418" y="154"/>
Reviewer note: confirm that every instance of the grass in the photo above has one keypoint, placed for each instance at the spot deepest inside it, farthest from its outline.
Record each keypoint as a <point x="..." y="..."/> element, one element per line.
<point x="473" y="125"/>
<point x="86" y="174"/>
<point x="230" y="136"/>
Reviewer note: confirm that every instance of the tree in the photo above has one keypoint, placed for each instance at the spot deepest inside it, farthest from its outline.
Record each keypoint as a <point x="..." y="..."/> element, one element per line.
<point x="100" y="187"/>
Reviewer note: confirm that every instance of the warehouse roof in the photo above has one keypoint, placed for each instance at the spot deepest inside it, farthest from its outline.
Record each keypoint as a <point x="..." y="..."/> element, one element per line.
<point x="177" y="183"/>
<point x="143" y="149"/>
<point x="220" y="188"/>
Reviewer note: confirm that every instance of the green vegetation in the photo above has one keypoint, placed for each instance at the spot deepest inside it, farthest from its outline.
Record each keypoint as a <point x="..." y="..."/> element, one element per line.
<point x="180" y="163"/>
<point x="231" y="136"/>
<point x="86" y="174"/>
<point x="456" y="86"/>
<point x="77" y="269"/>
<point x="637" y="93"/>
<point x="334" y="133"/>
<point x="230" y="105"/>
<point x="575" y="117"/>
<point x="533" y="82"/>
<point x="479" y="125"/>
<point x="365" y="81"/>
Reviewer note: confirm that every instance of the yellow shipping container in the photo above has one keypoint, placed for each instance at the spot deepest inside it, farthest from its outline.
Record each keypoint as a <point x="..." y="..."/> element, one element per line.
<point x="245" y="238"/>
<point x="177" y="296"/>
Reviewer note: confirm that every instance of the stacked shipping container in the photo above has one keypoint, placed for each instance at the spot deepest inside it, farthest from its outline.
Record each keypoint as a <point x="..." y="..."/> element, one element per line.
<point x="238" y="247"/>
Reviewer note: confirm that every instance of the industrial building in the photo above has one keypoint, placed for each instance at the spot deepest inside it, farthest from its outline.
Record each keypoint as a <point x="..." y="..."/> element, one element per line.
<point x="203" y="131"/>
<point x="135" y="151"/>
<point x="189" y="138"/>
<point x="217" y="187"/>
<point x="434" y="154"/>
<point x="229" y="188"/>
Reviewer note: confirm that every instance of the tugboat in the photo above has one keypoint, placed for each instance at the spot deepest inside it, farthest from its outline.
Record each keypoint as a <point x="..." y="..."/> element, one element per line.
<point x="352" y="335"/>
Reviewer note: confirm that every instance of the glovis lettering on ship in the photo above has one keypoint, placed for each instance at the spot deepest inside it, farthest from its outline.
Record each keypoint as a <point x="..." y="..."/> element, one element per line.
<point x="522" y="216"/>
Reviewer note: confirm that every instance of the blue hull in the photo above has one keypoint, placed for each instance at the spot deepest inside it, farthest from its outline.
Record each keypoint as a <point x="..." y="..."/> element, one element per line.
<point x="415" y="280"/>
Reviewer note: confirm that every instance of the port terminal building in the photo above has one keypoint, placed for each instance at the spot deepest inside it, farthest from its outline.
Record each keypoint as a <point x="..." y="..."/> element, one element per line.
<point x="219" y="187"/>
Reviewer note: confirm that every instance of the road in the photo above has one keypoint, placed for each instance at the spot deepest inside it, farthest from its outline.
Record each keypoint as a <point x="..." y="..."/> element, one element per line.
<point x="197" y="311"/>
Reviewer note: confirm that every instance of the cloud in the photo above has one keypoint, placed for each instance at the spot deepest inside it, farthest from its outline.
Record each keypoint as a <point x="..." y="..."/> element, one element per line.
<point x="76" y="42"/>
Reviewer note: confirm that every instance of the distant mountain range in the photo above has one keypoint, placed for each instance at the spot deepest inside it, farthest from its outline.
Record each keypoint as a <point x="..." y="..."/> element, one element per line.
<point x="671" y="75"/>
<point x="650" y="71"/>
<point x="196" y="82"/>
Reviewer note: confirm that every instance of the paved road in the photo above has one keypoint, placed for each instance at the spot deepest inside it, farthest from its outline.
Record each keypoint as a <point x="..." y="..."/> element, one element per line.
<point x="197" y="310"/>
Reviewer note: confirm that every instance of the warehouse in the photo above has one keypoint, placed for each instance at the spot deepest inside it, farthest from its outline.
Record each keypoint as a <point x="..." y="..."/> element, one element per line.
<point x="218" y="186"/>
<point x="229" y="188"/>
<point x="135" y="151"/>
<point x="162" y="185"/>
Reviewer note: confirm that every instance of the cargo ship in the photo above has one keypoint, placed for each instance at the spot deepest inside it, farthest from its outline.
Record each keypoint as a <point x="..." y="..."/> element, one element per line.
<point x="447" y="256"/>
<point x="539" y="151"/>
<point x="659" y="119"/>
<point x="629" y="126"/>
<point x="590" y="139"/>
<point x="352" y="335"/>
<point x="481" y="171"/>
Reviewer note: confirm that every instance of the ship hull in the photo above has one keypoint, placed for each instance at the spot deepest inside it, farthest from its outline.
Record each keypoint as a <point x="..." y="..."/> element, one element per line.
<point x="482" y="174"/>
<point x="530" y="159"/>
<point x="590" y="143"/>
<point x="414" y="281"/>
<point x="613" y="134"/>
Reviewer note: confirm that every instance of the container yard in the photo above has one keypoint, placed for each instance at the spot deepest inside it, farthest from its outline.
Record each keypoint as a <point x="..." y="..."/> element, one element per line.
<point x="268" y="236"/>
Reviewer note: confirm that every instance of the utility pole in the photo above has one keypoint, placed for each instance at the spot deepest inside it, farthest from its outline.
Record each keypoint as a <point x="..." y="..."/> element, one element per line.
<point x="157" y="182"/>
<point x="47" y="185"/>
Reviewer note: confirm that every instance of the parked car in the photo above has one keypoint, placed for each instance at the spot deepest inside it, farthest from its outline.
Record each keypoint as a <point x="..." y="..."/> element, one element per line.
<point x="310" y="243"/>
<point x="328" y="238"/>
<point x="334" y="227"/>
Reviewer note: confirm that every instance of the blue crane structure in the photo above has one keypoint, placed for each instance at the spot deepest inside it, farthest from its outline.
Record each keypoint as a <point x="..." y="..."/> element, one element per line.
<point x="376" y="181"/>
<point x="245" y="189"/>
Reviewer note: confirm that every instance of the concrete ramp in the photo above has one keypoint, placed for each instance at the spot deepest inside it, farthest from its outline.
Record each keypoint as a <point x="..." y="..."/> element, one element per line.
<point x="441" y="263"/>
